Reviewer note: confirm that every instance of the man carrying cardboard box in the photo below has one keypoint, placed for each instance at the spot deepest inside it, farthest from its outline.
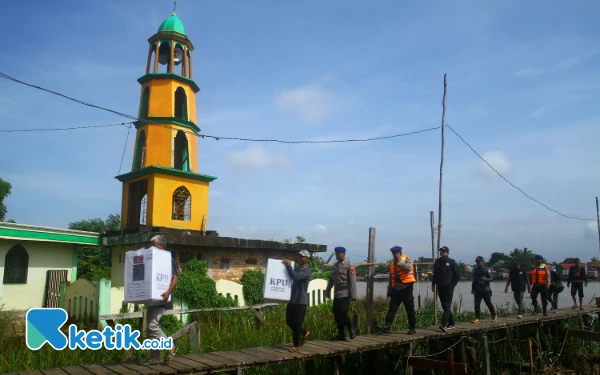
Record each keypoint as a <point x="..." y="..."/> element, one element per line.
<point x="154" y="313"/>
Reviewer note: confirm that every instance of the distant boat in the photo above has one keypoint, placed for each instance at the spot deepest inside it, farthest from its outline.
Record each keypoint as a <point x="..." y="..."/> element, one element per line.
<point x="381" y="277"/>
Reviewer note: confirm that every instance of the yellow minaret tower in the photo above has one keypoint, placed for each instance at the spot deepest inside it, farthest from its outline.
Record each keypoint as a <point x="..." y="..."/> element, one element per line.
<point x="164" y="188"/>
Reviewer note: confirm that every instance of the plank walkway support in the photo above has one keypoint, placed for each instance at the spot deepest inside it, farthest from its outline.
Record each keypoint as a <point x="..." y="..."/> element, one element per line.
<point x="235" y="361"/>
<point x="486" y="350"/>
<point x="409" y="369"/>
<point x="370" y="281"/>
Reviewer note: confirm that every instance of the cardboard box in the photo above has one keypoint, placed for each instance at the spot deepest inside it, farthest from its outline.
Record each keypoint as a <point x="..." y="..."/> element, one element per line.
<point x="147" y="275"/>
<point x="278" y="283"/>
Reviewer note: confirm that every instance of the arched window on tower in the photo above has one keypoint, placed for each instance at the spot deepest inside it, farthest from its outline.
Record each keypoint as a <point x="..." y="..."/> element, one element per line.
<point x="181" y="157"/>
<point x="143" y="207"/>
<point x="140" y="151"/>
<point x="145" y="100"/>
<point x="164" y="56"/>
<point x="16" y="264"/>
<point x="182" y="204"/>
<point x="181" y="104"/>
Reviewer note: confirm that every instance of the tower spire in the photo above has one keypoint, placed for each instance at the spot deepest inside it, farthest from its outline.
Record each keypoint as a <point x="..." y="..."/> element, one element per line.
<point x="174" y="7"/>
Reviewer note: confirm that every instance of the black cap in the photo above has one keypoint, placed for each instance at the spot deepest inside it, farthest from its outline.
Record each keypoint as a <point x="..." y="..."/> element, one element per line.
<point x="479" y="258"/>
<point x="444" y="249"/>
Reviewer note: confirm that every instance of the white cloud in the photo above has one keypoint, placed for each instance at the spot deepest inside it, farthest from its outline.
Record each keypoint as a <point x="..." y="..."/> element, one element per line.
<point x="591" y="230"/>
<point x="321" y="229"/>
<point x="310" y="103"/>
<point x="215" y="193"/>
<point x="536" y="71"/>
<point x="256" y="157"/>
<point x="538" y="112"/>
<point x="351" y="223"/>
<point x="496" y="159"/>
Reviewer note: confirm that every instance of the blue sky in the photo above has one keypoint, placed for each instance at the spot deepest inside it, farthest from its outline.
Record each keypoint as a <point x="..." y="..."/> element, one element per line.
<point x="523" y="83"/>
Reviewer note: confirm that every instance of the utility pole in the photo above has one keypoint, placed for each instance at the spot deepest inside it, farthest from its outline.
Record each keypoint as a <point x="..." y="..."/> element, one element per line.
<point x="435" y="306"/>
<point x="439" y="239"/>
<point x="598" y="221"/>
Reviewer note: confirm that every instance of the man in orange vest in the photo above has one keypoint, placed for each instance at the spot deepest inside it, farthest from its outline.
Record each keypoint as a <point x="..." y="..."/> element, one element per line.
<point x="400" y="289"/>
<point x="577" y="278"/>
<point x="540" y="283"/>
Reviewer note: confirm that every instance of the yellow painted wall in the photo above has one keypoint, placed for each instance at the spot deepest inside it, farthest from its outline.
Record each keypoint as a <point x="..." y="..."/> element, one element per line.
<point x="43" y="256"/>
<point x="164" y="186"/>
<point x="160" y="144"/>
<point x="162" y="98"/>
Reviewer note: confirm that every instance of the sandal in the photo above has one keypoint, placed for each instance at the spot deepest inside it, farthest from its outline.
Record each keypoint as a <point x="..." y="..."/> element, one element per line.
<point x="149" y="362"/>
<point x="293" y="349"/>
<point x="170" y="355"/>
<point x="304" y="338"/>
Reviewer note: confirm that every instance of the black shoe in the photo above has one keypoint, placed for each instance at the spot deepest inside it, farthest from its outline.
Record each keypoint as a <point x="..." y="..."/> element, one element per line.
<point x="352" y="333"/>
<point x="339" y="338"/>
<point x="450" y="326"/>
<point x="545" y="313"/>
<point x="384" y="328"/>
<point x="411" y="331"/>
<point x="444" y="328"/>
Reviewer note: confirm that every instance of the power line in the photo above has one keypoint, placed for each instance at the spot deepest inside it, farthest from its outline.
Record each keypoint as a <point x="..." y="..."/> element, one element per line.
<point x="64" y="129"/>
<point x="5" y="76"/>
<point x="124" y="148"/>
<point x="510" y="183"/>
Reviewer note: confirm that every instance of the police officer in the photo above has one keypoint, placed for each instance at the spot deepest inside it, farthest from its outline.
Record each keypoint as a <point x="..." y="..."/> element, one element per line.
<point x="343" y="278"/>
<point x="480" y="288"/>
<point x="446" y="274"/>
<point x="400" y="289"/>
<point x="540" y="283"/>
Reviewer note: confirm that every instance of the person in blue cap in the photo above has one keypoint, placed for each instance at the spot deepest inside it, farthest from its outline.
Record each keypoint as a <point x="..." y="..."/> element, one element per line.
<point x="400" y="290"/>
<point x="343" y="280"/>
<point x="480" y="288"/>
<point x="446" y="275"/>
<point x="540" y="283"/>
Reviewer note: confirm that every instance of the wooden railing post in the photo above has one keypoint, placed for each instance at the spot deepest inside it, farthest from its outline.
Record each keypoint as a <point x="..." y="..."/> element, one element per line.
<point x="195" y="337"/>
<point x="370" y="281"/>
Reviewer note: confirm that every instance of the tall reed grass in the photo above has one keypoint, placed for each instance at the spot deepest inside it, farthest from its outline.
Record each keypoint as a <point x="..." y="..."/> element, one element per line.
<point x="221" y="331"/>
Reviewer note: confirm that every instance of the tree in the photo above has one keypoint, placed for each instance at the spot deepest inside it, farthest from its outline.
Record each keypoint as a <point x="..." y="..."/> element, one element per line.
<point x="5" y="187"/>
<point x="300" y="239"/>
<point x="594" y="259"/>
<point x="496" y="256"/>
<point x="94" y="261"/>
<point x="525" y="256"/>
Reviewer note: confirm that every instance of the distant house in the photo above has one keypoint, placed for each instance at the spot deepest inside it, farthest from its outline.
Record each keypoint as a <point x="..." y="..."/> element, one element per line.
<point x="34" y="261"/>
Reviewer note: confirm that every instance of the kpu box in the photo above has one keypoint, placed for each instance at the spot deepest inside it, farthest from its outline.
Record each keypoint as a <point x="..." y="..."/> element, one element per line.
<point x="147" y="275"/>
<point x="278" y="283"/>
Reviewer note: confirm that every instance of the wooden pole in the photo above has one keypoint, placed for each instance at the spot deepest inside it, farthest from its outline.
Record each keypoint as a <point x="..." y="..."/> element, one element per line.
<point x="439" y="239"/>
<point x="435" y="306"/>
<point x="487" y="356"/>
<point x="409" y="369"/>
<point x="598" y="221"/>
<point x="370" y="280"/>
<point x="450" y="357"/>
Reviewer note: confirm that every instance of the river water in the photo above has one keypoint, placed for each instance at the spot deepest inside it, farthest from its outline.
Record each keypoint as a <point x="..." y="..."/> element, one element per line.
<point x="499" y="298"/>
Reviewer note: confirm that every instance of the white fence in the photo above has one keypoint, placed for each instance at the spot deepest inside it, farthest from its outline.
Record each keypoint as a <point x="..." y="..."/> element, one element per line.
<point x="231" y="289"/>
<point x="316" y="291"/>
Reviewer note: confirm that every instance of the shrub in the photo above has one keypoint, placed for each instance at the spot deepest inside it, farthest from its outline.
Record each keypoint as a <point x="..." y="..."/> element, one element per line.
<point x="253" y="282"/>
<point x="197" y="289"/>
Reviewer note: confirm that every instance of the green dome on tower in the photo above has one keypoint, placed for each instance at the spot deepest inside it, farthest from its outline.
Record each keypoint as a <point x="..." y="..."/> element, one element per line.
<point x="172" y="24"/>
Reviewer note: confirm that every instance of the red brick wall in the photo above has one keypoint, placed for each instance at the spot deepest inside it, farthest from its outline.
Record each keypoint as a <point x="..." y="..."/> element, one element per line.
<point x="239" y="261"/>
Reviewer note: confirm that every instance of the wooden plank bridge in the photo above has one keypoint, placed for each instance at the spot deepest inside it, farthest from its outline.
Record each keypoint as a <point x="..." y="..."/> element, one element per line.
<point x="236" y="361"/>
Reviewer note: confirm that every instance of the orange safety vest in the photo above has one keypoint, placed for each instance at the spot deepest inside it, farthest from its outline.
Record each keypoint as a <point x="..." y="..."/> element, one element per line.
<point x="577" y="273"/>
<point x="538" y="274"/>
<point x="406" y="277"/>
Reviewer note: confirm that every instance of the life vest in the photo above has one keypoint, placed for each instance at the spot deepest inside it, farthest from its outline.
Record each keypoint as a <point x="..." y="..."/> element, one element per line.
<point x="406" y="277"/>
<point x="538" y="274"/>
<point x="577" y="275"/>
